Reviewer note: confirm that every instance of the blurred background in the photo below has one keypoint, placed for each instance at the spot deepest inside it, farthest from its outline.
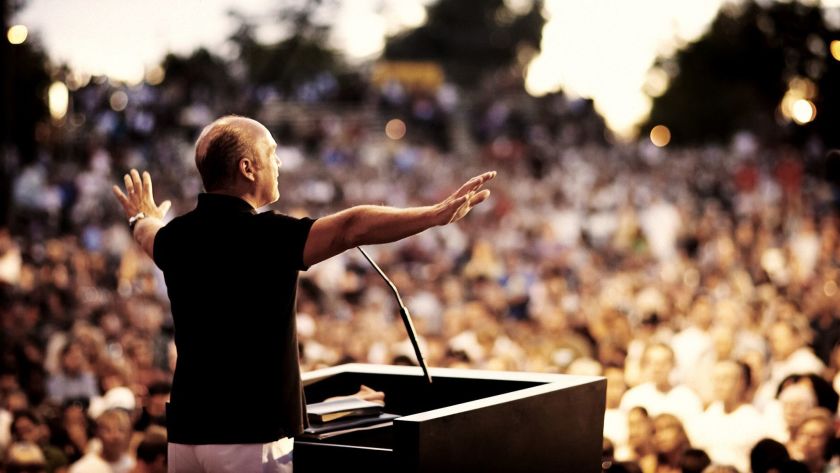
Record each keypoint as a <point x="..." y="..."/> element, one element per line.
<point x="665" y="214"/>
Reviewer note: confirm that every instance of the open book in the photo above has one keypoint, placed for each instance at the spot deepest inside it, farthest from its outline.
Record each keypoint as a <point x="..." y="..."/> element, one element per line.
<point x="350" y="407"/>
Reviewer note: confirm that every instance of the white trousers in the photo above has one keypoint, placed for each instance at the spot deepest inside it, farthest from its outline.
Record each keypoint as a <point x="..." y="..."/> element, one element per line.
<point x="274" y="457"/>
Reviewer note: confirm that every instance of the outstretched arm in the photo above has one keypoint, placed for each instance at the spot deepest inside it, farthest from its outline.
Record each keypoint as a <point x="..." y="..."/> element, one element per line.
<point x="371" y="224"/>
<point x="138" y="199"/>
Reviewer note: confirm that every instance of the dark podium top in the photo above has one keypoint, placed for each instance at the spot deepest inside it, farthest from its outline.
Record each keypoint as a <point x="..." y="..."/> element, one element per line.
<point x="466" y="421"/>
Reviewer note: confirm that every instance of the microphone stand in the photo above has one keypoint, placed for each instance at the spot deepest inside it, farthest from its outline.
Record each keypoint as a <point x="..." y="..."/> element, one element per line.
<point x="406" y="317"/>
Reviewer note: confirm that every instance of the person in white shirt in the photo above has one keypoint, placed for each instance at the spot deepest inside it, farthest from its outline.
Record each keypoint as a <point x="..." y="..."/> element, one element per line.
<point x="798" y="395"/>
<point x="693" y="344"/>
<point x="661" y="224"/>
<point x="615" y="420"/>
<point x="113" y="429"/>
<point x="658" y="395"/>
<point x="729" y="428"/>
<point x="789" y="355"/>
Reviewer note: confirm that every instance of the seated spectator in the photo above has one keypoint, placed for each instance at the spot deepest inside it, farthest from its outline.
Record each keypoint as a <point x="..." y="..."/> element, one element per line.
<point x="797" y="395"/>
<point x="729" y="427"/>
<point x="74" y="379"/>
<point x="14" y="400"/>
<point x="113" y="430"/>
<point x="670" y="442"/>
<point x="73" y="431"/>
<point x="658" y="395"/>
<point x="30" y="427"/>
<point x="615" y="420"/>
<point x="154" y="408"/>
<point x="693" y="343"/>
<point x="790" y="355"/>
<point x="695" y="461"/>
<point x="152" y="451"/>
<point x="25" y="457"/>
<point x="812" y="444"/>
<point x="640" y="445"/>
<point x="768" y="456"/>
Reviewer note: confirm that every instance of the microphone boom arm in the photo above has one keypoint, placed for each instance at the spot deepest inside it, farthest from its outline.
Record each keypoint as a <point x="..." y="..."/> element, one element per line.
<point x="406" y="317"/>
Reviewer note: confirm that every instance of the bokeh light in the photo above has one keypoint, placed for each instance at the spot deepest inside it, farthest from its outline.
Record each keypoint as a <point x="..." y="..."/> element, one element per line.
<point x="797" y="104"/>
<point x="119" y="100"/>
<point x="835" y="49"/>
<point x="76" y="80"/>
<point x="155" y="75"/>
<point x="830" y="288"/>
<point x="803" y="111"/>
<point x="395" y="129"/>
<point x="17" y="34"/>
<point x="660" y="136"/>
<point x="58" y="100"/>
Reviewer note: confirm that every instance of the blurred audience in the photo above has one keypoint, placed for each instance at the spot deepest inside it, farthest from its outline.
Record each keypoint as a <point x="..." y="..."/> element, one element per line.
<point x="710" y="304"/>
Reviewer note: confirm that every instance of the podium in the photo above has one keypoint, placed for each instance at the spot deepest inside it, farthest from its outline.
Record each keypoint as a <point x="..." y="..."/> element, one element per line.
<point x="465" y="421"/>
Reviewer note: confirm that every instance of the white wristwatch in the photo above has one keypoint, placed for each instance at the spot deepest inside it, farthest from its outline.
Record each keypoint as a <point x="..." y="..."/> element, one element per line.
<point x="133" y="220"/>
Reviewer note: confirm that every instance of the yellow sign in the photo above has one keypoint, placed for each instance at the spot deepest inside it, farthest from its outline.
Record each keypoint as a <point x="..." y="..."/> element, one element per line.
<point x="423" y="75"/>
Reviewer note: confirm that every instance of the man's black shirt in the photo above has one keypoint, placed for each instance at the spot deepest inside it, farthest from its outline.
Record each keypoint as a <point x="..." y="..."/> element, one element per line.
<point x="231" y="275"/>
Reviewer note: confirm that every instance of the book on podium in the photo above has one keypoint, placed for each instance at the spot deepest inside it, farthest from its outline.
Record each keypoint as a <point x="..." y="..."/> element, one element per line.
<point x="321" y="412"/>
<point x="344" y="415"/>
<point x="348" y="425"/>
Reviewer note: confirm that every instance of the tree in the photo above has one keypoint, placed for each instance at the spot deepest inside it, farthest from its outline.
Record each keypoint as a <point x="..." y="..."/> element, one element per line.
<point x="469" y="38"/>
<point x="23" y="68"/>
<point x="301" y="65"/>
<point x="735" y="76"/>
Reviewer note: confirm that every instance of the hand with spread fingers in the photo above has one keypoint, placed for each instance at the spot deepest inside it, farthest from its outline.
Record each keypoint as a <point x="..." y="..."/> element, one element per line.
<point x="459" y="204"/>
<point x="138" y="196"/>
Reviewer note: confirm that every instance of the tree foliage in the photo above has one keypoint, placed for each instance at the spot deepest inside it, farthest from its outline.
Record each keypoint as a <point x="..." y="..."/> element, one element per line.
<point x="470" y="38"/>
<point x="734" y="77"/>
<point x="300" y="65"/>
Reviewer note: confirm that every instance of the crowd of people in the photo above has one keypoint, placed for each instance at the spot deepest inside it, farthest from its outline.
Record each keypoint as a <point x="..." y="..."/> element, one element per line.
<point x="702" y="283"/>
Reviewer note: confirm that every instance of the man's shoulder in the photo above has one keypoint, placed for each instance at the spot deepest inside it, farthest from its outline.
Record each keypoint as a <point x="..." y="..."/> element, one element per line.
<point x="184" y="218"/>
<point x="180" y="223"/>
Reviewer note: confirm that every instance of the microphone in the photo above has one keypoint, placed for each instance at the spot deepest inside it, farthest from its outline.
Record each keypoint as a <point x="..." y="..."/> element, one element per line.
<point x="406" y="317"/>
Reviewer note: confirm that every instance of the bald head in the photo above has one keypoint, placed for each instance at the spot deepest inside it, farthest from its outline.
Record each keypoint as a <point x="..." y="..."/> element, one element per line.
<point x="220" y="147"/>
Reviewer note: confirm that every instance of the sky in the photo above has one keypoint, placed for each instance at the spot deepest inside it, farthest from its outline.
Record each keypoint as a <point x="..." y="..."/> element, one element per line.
<point x="599" y="49"/>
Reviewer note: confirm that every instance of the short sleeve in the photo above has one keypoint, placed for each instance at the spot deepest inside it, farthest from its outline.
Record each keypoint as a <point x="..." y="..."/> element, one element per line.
<point x="288" y="234"/>
<point x="160" y="248"/>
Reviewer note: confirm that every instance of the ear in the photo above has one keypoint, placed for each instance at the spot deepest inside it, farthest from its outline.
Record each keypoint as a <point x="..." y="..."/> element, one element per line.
<point x="247" y="169"/>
